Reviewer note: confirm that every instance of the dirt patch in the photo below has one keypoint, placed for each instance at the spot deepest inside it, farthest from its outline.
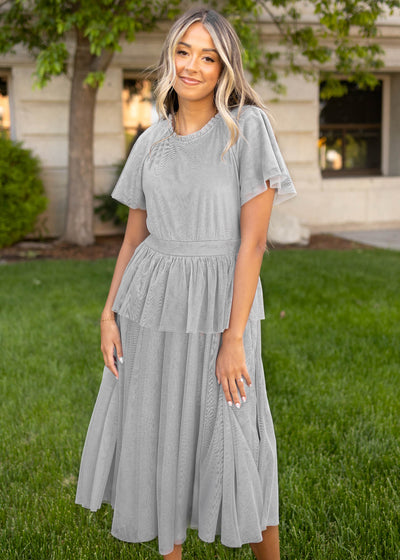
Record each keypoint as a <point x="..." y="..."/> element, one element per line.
<point x="105" y="246"/>
<point x="108" y="247"/>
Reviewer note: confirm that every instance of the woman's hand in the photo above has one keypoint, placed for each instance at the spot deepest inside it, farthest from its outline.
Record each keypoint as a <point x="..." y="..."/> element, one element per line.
<point x="110" y="339"/>
<point x="231" y="370"/>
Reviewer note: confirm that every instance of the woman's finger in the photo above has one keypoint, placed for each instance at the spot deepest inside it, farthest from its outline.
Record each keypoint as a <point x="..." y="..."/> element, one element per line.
<point x="240" y="385"/>
<point x="109" y="360"/>
<point x="225" y="388"/>
<point x="234" y="392"/>
<point x="118" y="348"/>
<point x="246" y="376"/>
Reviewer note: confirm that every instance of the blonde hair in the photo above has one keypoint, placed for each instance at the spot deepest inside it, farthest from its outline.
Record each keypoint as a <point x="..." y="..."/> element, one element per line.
<point x="232" y="89"/>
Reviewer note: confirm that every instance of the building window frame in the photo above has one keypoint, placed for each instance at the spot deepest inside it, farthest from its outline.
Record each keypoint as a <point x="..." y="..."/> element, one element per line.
<point x="133" y="75"/>
<point x="5" y="75"/>
<point x="384" y="136"/>
<point x="385" y="130"/>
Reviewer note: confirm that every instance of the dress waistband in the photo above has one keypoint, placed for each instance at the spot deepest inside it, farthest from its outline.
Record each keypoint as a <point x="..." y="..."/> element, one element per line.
<point x="193" y="248"/>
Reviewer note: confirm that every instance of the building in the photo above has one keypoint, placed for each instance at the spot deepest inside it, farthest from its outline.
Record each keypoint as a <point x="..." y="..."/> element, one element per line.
<point x="343" y="155"/>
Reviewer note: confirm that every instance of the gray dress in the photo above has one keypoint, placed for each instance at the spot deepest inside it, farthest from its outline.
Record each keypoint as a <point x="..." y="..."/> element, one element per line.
<point x="163" y="446"/>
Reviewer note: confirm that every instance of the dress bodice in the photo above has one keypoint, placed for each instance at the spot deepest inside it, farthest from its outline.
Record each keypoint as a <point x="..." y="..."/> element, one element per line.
<point x="193" y="196"/>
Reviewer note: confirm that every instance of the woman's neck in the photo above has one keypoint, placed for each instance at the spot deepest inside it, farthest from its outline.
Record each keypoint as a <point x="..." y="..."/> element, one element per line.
<point x="191" y="117"/>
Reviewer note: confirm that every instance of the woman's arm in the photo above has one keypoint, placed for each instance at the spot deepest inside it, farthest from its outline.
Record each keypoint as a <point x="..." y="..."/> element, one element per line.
<point x="231" y="363"/>
<point x="136" y="231"/>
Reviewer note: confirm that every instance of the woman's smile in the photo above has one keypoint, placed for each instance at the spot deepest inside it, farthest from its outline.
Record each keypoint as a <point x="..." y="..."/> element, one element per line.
<point x="189" y="81"/>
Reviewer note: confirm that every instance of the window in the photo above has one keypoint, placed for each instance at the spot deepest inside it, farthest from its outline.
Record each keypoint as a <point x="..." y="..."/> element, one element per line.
<point x="138" y="108"/>
<point x="4" y="107"/>
<point x="350" y="132"/>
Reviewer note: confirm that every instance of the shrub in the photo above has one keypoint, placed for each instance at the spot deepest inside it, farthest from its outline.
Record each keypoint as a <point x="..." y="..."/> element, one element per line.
<point x="110" y="209"/>
<point x="21" y="191"/>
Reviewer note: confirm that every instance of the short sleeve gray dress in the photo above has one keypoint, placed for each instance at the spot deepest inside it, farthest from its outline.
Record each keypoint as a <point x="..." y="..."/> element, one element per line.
<point x="163" y="446"/>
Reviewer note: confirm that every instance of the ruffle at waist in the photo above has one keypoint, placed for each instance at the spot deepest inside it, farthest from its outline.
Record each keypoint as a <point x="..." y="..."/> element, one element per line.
<point x="182" y="286"/>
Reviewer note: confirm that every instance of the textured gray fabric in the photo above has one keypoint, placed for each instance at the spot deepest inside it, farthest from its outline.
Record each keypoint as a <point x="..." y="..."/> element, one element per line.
<point x="163" y="447"/>
<point x="166" y="290"/>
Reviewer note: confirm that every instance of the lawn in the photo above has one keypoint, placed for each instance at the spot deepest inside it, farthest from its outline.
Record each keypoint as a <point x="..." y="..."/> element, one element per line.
<point x="332" y="362"/>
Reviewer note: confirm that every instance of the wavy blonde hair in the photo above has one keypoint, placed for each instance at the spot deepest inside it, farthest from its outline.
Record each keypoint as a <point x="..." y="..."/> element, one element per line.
<point x="232" y="89"/>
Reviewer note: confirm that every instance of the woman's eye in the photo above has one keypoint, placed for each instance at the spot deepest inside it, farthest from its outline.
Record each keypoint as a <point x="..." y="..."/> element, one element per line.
<point x="181" y="52"/>
<point x="209" y="59"/>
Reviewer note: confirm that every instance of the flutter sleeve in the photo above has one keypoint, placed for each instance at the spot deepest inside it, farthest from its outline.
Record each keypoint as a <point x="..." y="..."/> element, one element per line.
<point x="129" y="187"/>
<point x="260" y="159"/>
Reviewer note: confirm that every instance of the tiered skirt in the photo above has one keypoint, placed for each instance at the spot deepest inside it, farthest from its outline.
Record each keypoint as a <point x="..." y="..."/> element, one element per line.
<point x="164" y="448"/>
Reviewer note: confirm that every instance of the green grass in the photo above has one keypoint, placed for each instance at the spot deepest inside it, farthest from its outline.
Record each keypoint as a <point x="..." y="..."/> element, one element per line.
<point x="332" y="366"/>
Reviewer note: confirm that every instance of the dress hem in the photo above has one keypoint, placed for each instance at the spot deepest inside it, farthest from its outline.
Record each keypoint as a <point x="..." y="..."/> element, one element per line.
<point x="265" y="525"/>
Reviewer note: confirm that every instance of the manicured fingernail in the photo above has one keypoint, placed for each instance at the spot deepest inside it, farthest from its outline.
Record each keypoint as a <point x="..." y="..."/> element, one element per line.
<point x="241" y="379"/>
<point x="230" y="403"/>
<point x="121" y="360"/>
<point x="244" y="399"/>
<point x="237" y="405"/>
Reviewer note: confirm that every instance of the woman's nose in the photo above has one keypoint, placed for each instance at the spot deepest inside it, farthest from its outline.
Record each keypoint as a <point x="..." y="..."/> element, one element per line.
<point x="191" y="64"/>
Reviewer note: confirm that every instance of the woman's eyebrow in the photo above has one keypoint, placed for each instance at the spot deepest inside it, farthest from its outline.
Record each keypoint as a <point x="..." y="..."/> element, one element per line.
<point x="190" y="46"/>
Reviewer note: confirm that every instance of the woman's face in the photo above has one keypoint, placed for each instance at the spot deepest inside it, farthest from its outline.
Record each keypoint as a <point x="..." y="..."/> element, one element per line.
<point x="197" y="65"/>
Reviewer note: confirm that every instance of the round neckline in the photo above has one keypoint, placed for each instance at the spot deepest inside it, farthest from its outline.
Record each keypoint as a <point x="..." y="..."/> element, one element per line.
<point x="193" y="135"/>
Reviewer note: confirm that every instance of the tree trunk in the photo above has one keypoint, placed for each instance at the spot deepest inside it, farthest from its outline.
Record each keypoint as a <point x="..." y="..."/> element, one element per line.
<point x="79" y="218"/>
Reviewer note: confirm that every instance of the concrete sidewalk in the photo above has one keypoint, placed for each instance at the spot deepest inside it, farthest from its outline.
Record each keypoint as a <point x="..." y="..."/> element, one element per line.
<point x="382" y="238"/>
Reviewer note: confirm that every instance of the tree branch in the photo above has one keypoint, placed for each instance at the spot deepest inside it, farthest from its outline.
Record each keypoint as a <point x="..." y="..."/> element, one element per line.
<point x="274" y="18"/>
<point x="102" y="62"/>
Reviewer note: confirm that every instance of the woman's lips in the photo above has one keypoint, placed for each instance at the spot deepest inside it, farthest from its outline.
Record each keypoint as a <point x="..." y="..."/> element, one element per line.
<point x="189" y="81"/>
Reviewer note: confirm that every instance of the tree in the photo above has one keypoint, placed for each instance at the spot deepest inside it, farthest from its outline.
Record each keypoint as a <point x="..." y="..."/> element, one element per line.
<point x="98" y="28"/>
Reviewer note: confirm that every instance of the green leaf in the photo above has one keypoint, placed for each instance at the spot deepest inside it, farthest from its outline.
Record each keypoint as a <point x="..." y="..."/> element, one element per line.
<point x="51" y="61"/>
<point x="95" y="79"/>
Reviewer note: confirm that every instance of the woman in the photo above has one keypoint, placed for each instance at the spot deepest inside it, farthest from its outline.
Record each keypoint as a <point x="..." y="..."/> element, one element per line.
<point x="181" y="434"/>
